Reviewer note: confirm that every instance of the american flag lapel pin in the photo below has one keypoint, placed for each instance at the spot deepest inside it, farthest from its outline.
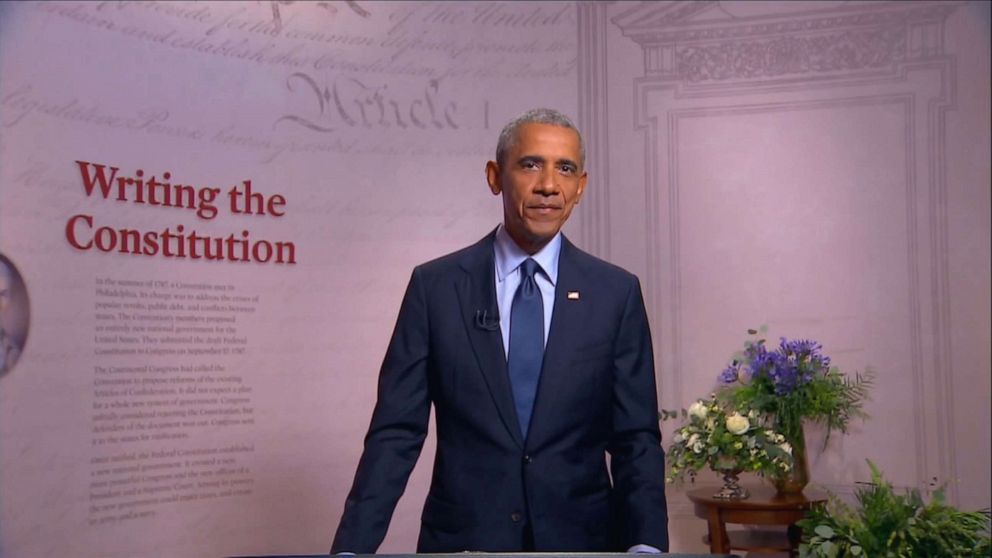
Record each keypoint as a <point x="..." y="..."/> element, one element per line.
<point x="573" y="295"/>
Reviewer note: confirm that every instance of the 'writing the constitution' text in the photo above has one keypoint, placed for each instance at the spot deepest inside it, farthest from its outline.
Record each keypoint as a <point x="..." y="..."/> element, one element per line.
<point x="84" y="233"/>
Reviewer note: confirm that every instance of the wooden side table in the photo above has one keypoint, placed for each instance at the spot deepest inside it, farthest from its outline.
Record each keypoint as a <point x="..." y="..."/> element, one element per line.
<point x="763" y="507"/>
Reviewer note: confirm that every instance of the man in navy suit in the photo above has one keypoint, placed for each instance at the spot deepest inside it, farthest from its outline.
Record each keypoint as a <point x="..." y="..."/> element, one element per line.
<point x="524" y="424"/>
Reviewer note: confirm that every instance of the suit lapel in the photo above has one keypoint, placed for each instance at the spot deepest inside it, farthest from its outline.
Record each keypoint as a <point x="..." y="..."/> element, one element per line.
<point x="476" y="294"/>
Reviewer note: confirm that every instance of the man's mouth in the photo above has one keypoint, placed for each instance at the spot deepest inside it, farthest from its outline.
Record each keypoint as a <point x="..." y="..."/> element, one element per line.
<point x="544" y="209"/>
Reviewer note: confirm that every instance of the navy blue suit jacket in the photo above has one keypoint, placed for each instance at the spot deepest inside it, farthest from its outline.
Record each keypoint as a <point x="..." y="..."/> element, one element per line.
<point x="596" y="396"/>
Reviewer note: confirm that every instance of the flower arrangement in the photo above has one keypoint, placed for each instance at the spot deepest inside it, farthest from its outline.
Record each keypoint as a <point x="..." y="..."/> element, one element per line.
<point x="724" y="439"/>
<point x="792" y="383"/>
<point x="888" y="524"/>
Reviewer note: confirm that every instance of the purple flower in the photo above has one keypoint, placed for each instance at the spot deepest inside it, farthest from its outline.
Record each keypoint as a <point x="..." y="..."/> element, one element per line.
<point x="805" y="350"/>
<point x="782" y="371"/>
<point x="799" y="346"/>
<point x="763" y="362"/>
<point x="785" y="376"/>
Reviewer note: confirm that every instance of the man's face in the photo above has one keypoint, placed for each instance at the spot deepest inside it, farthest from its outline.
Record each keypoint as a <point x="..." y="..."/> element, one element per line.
<point x="541" y="179"/>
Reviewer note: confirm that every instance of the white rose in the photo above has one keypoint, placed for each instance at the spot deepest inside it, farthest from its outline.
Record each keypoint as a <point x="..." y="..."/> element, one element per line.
<point x="698" y="410"/>
<point x="737" y="423"/>
<point x="695" y="444"/>
<point x="786" y="447"/>
<point x="678" y="437"/>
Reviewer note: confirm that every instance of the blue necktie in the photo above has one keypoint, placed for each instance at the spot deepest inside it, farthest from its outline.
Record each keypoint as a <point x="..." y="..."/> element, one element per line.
<point x="526" y="352"/>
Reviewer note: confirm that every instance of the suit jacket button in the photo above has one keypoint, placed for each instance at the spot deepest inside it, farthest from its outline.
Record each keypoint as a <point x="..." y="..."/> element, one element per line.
<point x="516" y="517"/>
<point x="527" y="459"/>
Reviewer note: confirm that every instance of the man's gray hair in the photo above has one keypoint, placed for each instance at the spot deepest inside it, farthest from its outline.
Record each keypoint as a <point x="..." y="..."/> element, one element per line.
<point x="508" y="136"/>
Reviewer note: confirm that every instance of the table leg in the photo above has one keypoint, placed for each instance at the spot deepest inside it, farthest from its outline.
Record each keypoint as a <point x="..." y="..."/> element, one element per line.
<point x="795" y="536"/>
<point x="719" y="543"/>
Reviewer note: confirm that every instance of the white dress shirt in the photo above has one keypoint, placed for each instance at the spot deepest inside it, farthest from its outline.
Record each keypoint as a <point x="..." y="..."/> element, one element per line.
<point x="508" y="257"/>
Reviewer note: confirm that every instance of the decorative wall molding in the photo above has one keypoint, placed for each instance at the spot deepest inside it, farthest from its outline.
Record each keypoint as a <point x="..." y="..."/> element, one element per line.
<point x="853" y="49"/>
<point x="699" y="59"/>
<point x="681" y="45"/>
<point x="593" y="120"/>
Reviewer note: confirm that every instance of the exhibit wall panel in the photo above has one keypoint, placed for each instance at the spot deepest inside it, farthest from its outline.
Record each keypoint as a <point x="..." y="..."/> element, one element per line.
<point x="212" y="210"/>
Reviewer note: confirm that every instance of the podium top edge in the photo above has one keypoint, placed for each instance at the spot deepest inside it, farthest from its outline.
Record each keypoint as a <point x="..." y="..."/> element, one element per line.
<point x="498" y="555"/>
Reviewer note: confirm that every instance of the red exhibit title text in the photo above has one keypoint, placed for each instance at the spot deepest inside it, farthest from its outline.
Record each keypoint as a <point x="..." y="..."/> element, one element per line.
<point x="84" y="233"/>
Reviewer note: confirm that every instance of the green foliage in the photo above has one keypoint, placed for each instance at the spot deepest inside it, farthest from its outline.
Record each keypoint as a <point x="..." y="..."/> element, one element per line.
<point x="831" y="398"/>
<point x="886" y="524"/>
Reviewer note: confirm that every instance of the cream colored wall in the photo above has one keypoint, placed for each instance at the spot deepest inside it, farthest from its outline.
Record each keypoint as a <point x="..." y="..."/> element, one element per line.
<point x="836" y="187"/>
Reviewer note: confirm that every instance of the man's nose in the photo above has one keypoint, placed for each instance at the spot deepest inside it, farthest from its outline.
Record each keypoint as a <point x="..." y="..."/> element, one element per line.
<point x="548" y="183"/>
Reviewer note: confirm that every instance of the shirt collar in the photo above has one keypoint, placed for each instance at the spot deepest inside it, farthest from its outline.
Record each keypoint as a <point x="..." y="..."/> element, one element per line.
<point x="509" y="256"/>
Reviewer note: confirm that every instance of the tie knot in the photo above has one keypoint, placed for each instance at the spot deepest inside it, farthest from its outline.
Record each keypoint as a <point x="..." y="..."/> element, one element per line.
<point x="529" y="268"/>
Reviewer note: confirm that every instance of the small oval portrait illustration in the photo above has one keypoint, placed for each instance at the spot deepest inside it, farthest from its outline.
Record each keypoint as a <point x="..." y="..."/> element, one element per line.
<point x="14" y="315"/>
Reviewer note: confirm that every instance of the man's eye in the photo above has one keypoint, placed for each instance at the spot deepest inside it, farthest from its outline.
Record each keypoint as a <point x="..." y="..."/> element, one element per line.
<point x="530" y="165"/>
<point x="566" y="169"/>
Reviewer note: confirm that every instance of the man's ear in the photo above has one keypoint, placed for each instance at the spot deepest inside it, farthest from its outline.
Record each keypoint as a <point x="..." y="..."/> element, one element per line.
<point x="492" y="177"/>
<point x="582" y="186"/>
